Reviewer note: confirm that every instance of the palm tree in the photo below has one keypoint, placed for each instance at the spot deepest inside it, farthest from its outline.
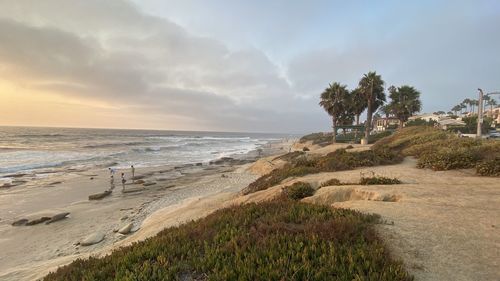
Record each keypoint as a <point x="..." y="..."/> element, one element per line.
<point x="462" y="107"/>
<point x="333" y="101"/>
<point x="474" y="103"/>
<point x="456" y="109"/>
<point x="466" y="102"/>
<point x="358" y="103"/>
<point x="405" y="101"/>
<point x="491" y="103"/>
<point x="372" y="87"/>
<point x="486" y="99"/>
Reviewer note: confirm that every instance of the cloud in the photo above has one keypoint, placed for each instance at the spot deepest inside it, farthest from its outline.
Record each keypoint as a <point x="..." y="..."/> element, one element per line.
<point x="112" y="51"/>
<point x="146" y="64"/>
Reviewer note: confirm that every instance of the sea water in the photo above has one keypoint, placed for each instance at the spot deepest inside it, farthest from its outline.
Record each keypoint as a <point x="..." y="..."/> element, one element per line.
<point x="32" y="150"/>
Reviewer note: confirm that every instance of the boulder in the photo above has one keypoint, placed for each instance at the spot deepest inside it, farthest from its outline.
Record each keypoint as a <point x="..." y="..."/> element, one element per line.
<point x="37" y="221"/>
<point x="139" y="182"/>
<point x="100" y="195"/>
<point x="126" y="228"/>
<point x="57" y="217"/>
<point x="20" y="222"/>
<point x="92" y="239"/>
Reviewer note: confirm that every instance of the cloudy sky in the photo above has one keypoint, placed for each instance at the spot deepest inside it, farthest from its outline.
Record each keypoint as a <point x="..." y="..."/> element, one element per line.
<point x="232" y="65"/>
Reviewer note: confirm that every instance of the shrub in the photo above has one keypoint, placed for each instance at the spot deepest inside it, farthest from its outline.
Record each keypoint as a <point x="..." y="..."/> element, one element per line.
<point x="378" y="180"/>
<point x="489" y="167"/>
<point x="299" y="190"/>
<point x="305" y="148"/>
<point x="448" y="159"/>
<point x="278" y="175"/>
<point x="278" y="240"/>
<point x="339" y="160"/>
<point x="331" y="182"/>
<point x="349" y="147"/>
<point x="420" y="122"/>
<point x="441" y="150"/>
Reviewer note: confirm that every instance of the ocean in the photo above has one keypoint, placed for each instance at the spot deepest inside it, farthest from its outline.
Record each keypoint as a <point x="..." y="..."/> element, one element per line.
<point x="32" y="150"/>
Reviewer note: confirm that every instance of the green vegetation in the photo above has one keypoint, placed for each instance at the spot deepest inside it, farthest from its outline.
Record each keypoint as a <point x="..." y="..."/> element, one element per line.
<point x="489" y="167"/>
<point x="372" y="89"/>
<point x="324" y="139"/>
<point x="299" y="190"/>
<point x="334" y="101"/>
<point x="405" y="101"/>
<point x="331" y="182"/>
<point x="441" y="150"/>
<point x="378" y="180"/>
<point x="420" y="122"/>
<point x="278" y="240"/>
<point x="471" y="125"/>
<point x="339" y="160"/>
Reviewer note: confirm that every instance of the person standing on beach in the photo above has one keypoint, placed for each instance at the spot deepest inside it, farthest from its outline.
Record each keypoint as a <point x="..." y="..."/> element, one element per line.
<point x="123" y="181"/>
<point x="133" y="172"/>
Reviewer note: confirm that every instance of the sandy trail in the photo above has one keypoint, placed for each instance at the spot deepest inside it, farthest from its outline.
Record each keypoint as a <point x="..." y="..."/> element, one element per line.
<point x="444" y="225"/>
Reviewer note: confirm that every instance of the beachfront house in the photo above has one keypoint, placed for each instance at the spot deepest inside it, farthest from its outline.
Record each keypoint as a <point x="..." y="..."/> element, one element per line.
<point x="494" y="114"/>
<point x="384" y="123"/>
<point x="426" y="117"/>
<point x="448" y="123"/>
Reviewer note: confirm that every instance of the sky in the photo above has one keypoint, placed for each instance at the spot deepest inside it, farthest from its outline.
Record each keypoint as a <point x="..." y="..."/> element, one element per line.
<point x="233" y="65"/>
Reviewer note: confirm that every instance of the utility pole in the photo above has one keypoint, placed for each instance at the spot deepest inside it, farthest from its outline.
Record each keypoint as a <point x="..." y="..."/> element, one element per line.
<point x="480" y="114"/>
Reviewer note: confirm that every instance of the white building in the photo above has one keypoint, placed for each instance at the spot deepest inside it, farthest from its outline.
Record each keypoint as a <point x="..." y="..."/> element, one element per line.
<point x="426" y="117"/>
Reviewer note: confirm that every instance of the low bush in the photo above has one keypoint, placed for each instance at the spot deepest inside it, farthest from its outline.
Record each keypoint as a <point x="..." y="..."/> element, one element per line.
<point x="378" y="180"/>
<point x="449" y="159"/>
<point x="339" y="160"/>
<point x="489" y="167"/>
<point x="278" y="240"/>
<point x="278" y="175"/>
<point x="331" y="182"/>
<point x="305" y="148"/>
<point x="299" y="190"/>
<point x="441" y="150"/>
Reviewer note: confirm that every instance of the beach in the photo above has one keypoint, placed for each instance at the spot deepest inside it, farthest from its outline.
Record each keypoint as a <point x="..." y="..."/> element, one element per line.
<point x="31" y="251"/>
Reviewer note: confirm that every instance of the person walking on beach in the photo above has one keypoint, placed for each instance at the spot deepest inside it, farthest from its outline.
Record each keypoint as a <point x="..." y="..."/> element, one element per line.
<point x="112" y="174"/>
<point x="133" y="172"/>
<point x="123" y="181"/>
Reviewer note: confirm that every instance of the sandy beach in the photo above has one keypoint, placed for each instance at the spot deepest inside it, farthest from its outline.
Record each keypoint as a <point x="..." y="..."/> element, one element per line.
<point x="30" y="252"/>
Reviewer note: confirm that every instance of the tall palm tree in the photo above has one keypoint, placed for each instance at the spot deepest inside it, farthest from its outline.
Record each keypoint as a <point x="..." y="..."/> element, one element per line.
<point x="491" y="103"/>
<point x="462" y="107"/>
<point x="467" y="103"/>
<point x="405" y="101"/>
<point x="456" y="109"/>
<point x="372" y="87"/>
<point x="486" y="99"/>
<point x="473" y="104"/>
<point x="333" y="101"/>
<point x="358" y="103"/>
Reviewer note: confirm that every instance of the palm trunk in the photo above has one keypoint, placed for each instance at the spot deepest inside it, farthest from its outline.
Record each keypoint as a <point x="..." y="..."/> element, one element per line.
<point x="334" y="126"/>
<point x="357" y="119"/>
<point x="401" y="121"/>
<point x="368" y="120"/>
<point x="369" y="114"/>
